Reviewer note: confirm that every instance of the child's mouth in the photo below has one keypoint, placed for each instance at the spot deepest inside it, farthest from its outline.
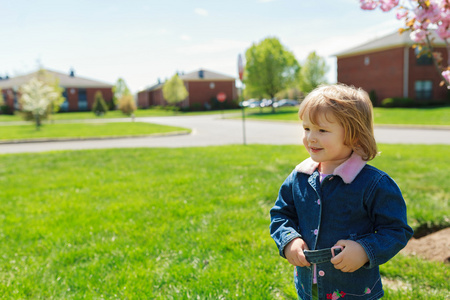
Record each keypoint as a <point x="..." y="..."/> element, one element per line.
<point x="315" y="150"/>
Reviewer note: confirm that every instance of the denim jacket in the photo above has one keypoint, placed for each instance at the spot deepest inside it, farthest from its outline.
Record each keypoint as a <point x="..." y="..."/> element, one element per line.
<point x="357" y="202"/>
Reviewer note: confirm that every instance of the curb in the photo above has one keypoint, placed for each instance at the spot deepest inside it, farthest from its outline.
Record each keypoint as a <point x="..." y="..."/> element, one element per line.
<point x="70" y="139"/>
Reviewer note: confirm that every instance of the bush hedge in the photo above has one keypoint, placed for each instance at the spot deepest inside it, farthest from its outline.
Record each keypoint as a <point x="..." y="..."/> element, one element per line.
<point x="397" y="102"/>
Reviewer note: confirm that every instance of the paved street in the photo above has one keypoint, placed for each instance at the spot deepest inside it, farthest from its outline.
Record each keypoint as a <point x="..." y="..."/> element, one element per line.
<point x="210" y="130"/>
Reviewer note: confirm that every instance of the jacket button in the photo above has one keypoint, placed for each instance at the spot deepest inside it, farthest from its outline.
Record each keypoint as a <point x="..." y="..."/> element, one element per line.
<point x="321" y="273"/>
<point x="316" y="231"/>
<point x="318" y="202"/>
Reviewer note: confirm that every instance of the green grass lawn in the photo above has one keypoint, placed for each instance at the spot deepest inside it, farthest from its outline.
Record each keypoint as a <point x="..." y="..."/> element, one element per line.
<point x="382" y="116"/>
<point x="189" y="223"/>
<point x="115" y="114"/>
<point x="84" y="130"/>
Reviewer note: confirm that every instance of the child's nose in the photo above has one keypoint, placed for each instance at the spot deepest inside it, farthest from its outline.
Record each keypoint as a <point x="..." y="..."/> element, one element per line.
<point x="312" y="137"/>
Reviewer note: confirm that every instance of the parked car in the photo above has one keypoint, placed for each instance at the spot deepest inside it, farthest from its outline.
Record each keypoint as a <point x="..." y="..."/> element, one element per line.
<point x="250" y="103"/>
<point x="266" y="103"/>
<point x="285" y="102"/>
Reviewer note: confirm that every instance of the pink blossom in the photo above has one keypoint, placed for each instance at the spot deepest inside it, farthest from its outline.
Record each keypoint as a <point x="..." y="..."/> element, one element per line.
<point x="420" y="14"/>
<point x="368" y="4"/>
<point x="445" y="15"/>
<point x="423" y="25"/>
<point x="387" y="5"/>
<point x="401" y="14"/>
<point x="443" y="31"/>
<point x="433" y="13"/>
<point x="446" y="75"/>
<point x="418" y="35"/>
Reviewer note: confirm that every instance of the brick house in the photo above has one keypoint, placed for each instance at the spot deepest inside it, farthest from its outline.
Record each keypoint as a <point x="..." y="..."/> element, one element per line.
<point x="202" y="86"/>
<point x="390" y="67"/>
<point x="78" y="91"/>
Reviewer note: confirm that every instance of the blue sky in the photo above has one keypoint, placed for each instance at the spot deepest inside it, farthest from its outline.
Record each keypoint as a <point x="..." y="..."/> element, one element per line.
<point x="142" y="41"/>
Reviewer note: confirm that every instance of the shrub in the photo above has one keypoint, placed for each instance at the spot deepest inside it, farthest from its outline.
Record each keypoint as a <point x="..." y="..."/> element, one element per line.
<point x="373" y="98"/>
<point x="196" y="107"/>
<point x="6" y="110"/>
<point x="127" y="105"/>
<point x="99" y="107"/>
<point x="397" y="102"/>
<point x="173" y="108"/>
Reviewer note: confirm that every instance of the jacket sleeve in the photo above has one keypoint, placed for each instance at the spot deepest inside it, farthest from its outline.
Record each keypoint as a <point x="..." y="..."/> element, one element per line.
<point x="387" y="210"/>
<point x="283" y="216"/>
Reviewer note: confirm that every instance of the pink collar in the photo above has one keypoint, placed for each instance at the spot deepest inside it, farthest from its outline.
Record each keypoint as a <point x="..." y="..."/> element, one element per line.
<point x="348" y="170"/>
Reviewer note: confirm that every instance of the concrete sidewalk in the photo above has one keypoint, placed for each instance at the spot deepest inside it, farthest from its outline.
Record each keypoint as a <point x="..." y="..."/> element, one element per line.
<point x="210" y="130"/>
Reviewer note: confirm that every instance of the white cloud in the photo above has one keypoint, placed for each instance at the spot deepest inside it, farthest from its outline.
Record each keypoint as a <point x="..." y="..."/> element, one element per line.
<point x="201" y="12"/>
<point x="162" y="31"/>
<point x="185" y="37"/>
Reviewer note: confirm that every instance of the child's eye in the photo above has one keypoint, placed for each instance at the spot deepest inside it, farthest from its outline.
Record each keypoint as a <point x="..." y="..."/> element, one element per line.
<point x="306" y="128"/>
<point x="322" y="130"/>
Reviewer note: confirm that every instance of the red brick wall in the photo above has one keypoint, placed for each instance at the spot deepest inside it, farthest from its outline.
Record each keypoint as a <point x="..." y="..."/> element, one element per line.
<point x="106" y="93"/>
<point x="426" y="72"/>
<point x="201" y="91"/>
<point x="8" y="97"/>
<point x="143" y="99"/>
<point x="72" y="98"/>
<point x="383" y="73"/>
<point x="157" y="98"/>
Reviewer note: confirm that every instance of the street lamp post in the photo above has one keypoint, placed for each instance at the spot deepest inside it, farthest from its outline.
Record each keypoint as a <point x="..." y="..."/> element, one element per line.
<point x="241" y="73"/>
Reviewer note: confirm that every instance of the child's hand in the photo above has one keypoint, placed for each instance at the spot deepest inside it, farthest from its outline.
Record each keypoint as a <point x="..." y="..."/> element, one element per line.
<point x="351" y="258"/>
<point x="294" y="253"/>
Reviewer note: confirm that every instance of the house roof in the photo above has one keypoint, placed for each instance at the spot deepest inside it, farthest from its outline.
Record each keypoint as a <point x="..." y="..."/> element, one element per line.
<point x="65" y="80"/>
<point x="393" y="40"/>
<point x="195" y="76"/>
<point x="207" y="75"/>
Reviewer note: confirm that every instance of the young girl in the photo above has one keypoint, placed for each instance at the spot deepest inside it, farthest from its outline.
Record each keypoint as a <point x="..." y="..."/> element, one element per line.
<point x="336" y="219"/>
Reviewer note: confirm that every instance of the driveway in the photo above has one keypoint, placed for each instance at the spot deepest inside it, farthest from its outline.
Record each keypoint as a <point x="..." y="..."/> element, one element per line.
<point x="210" y="130"/>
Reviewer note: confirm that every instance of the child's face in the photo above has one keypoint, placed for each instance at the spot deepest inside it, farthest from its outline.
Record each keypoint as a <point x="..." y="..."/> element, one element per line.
<point x="325" y="142"/>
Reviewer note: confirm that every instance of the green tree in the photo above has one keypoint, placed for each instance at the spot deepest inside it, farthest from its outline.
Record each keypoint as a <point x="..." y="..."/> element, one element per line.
<point x="127" y="105"/>
<point x="312" y="73"/>
<point x="119" y="90"/>
<point x="270" y="68"/>
<point x="174" y="90"/>
<point x="99" y="107"/>
<point x="2" y="100"/>
<point x="36" y="97"/>
<point x="53" y="82"/>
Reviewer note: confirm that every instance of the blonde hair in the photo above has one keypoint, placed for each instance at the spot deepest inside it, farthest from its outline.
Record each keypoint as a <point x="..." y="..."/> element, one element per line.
<point x="353" y="110"/>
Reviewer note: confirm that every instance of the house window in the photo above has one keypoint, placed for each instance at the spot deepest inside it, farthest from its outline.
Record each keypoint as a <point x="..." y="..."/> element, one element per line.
<point x="366" y="61"/>
<point x="82" y="100"/>
<point x="65" y="105"/>
<point x="422" y="58"/>
<point x="424" y="89"/>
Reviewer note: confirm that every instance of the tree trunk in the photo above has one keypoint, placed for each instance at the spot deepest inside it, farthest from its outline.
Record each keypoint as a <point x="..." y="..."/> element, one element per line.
<point x="38" y="121"/>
